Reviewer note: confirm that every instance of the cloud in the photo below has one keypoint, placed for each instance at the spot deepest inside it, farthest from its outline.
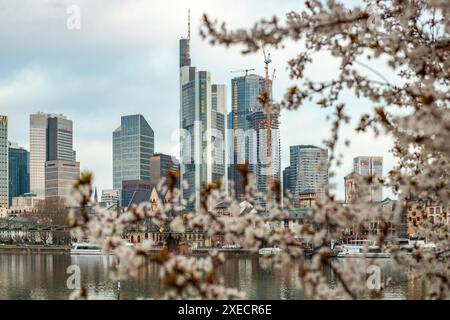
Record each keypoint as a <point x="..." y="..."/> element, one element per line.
<point x="124" y="60"/>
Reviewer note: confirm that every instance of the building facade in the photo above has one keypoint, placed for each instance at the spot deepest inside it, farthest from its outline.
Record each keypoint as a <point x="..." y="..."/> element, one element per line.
<point x="265" y="165"/>
<point x="245" y="91"/>
<point x="51" y="138"/>
<point x="370" y="166"/>
<point x="19" y="171"/>
<point x="203" y="120"/>
<point x="110" y="196"/>
<point x="60" y="176"/>
<point x="4" y="185"/>
<point x="287" y="181"/>
<point x="25" y="203"/>
<point x="59" y="139"/>
<point x="160" y="165"/>
<point x="309" y="170"/>
<point x="131" y="188"/>
<point x="133" y="146"/>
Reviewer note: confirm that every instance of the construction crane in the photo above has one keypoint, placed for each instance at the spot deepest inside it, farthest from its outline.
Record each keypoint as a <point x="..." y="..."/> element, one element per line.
<point x="243" y="70"/>
<point x="267" y="61"/>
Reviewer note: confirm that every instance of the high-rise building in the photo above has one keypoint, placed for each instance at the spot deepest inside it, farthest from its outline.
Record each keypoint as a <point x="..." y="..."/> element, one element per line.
<point x="202" y="124"/>
<point x="60" y="176"/>
<point x="160" y="165"/>
<point x="370" y="166"/>
<point x="51" y="138"/>
<point x="245" y="91"/>
<point x="133" y="145"/>
<point x="59" y="139"/>
<point x="219" y="133"/>
<point x="19" y="171"/>
<point x="3" y="161"/>
<point x="131" y="188"/>
<point x="287" y="181"/>
<point x="265" y="153"/>
<point x="309" y="170"/>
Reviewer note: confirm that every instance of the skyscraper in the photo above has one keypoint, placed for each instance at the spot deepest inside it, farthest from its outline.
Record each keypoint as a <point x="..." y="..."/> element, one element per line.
<point x="133" y="145"/>
<point x="59" y="139"/>
<point x="160" y="165"/>
<point x="60" y="176"/>
<point x="370" y="166"/>
<point x="264" y="168"/>
<point x="309" y="170"/>
<point x="202" y="124"/>
<point x="245" y="91"/>
<point x="218" y="134"/>
<point x="51" y="138"/>
<point x="287" y="181"/>
<point x="19" y="171"/>
<point x="3" y="161"/>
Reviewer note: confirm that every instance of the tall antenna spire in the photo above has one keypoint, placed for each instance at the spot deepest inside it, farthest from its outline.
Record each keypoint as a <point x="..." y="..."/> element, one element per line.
<point x="189" y="24"/>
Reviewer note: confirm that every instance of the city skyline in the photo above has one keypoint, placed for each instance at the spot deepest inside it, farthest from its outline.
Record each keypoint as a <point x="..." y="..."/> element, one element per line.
<point x="146" y="87"/>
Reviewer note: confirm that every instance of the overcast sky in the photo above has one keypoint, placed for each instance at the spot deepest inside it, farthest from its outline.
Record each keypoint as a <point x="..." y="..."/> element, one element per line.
<point x="124" y="60"/>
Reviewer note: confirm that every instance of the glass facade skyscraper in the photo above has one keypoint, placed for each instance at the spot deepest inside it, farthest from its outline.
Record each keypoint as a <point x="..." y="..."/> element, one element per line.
<point x="19" y="171"/>
<point x="245" y="91"/>
<point x="133" y="146"/>
<point x="3" y="161"/>
<point x="203" y="120"/>
<point x="266" y="170"/>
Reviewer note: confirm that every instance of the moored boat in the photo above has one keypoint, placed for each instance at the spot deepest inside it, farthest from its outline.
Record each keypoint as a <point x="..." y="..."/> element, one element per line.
<point x="362" y="249"/>
<point x="269" y="251"/>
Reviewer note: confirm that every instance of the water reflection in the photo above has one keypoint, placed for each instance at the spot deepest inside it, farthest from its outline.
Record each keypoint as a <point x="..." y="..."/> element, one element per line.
<point x="44" y="277"/>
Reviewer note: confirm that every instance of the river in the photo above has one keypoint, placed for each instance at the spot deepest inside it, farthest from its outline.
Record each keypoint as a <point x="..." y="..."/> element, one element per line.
<point x="43" y="276"/>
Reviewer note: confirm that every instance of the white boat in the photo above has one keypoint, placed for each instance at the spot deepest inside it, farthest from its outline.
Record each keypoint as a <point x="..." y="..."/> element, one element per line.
<point x="269" y="251"/>
<point x="409" y="244"/>
<point x="231" y="246"/>
<point x="85" y="248"/>
<point x="362" y="249"/>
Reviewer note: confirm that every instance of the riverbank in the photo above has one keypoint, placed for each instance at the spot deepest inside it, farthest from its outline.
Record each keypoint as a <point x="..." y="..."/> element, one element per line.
<point x="11" y="248"/>
<point x="14" y="248"/>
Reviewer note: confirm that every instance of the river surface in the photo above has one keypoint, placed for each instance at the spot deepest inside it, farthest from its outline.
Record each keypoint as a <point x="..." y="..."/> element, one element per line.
<point x="43" y="276"/>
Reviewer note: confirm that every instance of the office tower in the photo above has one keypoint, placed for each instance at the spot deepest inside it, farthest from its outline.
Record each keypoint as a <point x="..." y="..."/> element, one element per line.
<point x="4" y="161"/>
<point x="309" y="170"/>
<point x="133" y="145"/>
<point x="60" y="176"/>
<point x="245" y="91"/>
<point x="202" y="120"/>
<point x="59" y="139"/>
<point x="370" y="166"/>
<point x="160" y="165"/>
<point x="131" y="189"/>
<point x="219" y="133"/>
<point x="287" y="181"/>
<point x="51" y="138"/>
<point x="19" y="171"/>
<point x="261" y="144"/>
